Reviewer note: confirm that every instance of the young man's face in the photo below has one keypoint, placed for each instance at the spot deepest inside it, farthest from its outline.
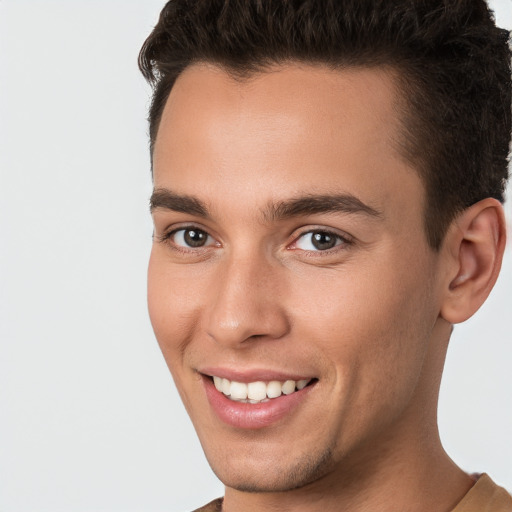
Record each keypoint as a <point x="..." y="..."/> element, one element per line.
<point x="289" y="246"/>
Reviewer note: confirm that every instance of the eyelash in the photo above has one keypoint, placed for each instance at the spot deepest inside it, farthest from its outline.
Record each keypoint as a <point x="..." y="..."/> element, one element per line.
<point x="342" y="241"/>
<point x="167" y="239"/>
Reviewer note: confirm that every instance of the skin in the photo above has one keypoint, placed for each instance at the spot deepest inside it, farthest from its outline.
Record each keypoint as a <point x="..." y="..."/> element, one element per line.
<point x="369" y="318"/>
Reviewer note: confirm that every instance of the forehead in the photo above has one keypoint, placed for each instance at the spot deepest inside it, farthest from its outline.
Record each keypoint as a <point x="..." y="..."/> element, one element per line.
<point x="364" y="99"/>
<point x="290" y="130"/>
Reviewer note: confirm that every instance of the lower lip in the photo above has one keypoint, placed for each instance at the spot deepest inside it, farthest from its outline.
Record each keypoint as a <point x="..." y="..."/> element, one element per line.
<point x="253" y="416"/>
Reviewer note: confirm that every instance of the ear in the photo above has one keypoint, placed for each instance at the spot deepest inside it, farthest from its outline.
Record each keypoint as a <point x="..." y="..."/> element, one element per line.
<point x="474" y="246"/>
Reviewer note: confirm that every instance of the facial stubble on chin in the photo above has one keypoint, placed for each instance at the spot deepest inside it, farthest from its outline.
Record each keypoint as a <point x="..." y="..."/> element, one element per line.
<point x="305" y="470"/>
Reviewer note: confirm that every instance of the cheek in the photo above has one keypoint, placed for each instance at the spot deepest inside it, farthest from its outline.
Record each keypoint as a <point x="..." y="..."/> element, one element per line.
<point x="372" y="327"/>
<point x="172" y="308"/>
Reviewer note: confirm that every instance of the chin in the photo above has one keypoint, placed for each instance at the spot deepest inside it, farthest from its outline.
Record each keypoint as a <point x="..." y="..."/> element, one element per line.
<point x="271" y="474"/>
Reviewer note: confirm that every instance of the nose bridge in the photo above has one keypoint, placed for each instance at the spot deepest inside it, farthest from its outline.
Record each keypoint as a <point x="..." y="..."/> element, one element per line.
<point x="246" y="304"/>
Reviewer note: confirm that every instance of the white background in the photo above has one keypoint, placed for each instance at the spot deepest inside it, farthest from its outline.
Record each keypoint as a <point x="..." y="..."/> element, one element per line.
<point x="89" y="418"/>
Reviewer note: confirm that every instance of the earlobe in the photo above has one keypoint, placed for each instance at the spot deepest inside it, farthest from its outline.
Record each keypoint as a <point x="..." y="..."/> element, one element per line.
<point x="474" y="246"/>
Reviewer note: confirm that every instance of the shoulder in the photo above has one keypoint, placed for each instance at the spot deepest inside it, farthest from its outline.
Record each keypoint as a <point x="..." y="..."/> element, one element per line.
<point x="485" y="496"/>
<point x="213" y="506"/>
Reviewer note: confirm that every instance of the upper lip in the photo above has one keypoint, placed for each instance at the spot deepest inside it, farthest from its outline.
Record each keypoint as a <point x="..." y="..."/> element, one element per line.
<point x="253" y="374"/>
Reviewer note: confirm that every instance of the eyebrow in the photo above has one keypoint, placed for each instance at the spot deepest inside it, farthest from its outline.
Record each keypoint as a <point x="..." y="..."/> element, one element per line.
<point x="164" y="198"/>
<point x="295" y="207"/>
<point x="317" y="204"/>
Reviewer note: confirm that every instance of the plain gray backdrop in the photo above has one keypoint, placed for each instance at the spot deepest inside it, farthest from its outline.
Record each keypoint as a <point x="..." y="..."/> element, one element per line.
<point x="89" y="417"/>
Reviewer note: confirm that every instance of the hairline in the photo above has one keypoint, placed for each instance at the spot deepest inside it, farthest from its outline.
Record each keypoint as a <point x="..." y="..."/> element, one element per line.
<point x="407" y="142"/>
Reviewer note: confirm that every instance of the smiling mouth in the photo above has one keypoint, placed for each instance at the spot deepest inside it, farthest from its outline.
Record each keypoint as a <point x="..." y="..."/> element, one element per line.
<point x="259" y="391"/>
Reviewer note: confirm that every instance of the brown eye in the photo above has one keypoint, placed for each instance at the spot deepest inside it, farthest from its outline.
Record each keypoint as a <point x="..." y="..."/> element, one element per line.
<point x="195" y="238"/>
<point x="319" y="241"/>
<point x="191" y="238"/>
<point x="322" y="240"/>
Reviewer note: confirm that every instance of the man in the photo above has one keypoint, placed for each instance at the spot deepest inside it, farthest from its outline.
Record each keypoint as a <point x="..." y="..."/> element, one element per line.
<point x="328" y="179"/>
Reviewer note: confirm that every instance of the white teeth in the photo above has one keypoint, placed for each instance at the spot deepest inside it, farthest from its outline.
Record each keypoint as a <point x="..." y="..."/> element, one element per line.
<point x="226" y="386"/>
<point x="257" y="392"/>
<point x="288" y="387"/>
<point x="301" y="384"/>
<point x="238" y="390"/>
<point x="218" y="383"/>
<point x="274" y="389"/>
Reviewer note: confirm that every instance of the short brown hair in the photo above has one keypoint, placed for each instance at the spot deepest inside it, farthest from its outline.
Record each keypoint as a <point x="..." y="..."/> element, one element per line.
<point x="452" y="60"/>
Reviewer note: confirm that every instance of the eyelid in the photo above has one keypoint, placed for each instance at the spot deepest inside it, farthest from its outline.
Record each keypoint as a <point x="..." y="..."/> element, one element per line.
<point x="344" y="238"/>
<point x="170" y="232"/>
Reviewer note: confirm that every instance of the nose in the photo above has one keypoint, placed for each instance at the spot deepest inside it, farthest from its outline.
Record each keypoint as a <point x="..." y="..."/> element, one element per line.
<point x="247" y="302"/>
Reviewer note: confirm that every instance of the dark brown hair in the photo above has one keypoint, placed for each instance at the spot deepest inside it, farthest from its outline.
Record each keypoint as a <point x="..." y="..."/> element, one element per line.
<point x="453" y="65"/>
